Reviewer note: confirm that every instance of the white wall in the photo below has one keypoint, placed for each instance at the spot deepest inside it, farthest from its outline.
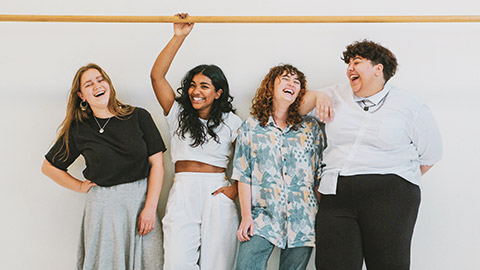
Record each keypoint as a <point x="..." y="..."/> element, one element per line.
<point x="440" y="62"/>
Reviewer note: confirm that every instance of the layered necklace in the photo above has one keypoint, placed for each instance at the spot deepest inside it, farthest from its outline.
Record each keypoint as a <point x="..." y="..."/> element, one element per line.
<point x="101" y="129"/>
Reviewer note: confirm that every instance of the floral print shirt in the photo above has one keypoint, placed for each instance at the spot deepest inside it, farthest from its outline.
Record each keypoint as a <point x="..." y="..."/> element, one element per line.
<point x="282" y="167"/>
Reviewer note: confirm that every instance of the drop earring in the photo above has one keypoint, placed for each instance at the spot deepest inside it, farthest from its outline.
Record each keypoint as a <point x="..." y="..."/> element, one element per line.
<point x="83" y="105"/>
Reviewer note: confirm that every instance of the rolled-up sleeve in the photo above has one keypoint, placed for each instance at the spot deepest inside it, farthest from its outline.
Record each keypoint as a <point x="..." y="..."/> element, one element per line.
<point x="242" y="170"/>
<point x="426" y="137"/>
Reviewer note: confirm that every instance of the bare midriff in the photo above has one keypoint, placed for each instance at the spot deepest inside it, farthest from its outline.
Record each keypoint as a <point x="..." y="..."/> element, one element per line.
<point x="195" y="166"/>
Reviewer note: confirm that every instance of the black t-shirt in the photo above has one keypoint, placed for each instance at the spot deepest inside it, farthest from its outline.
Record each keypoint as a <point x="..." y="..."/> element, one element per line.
<point x="117" y="156"/>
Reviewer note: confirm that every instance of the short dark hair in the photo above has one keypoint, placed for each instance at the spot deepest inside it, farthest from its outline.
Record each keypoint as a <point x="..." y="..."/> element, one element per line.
<point x="373" y="52"/>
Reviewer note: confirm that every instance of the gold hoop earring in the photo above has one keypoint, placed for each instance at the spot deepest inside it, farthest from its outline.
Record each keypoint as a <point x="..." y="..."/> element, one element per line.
<point x="83" y="105"/>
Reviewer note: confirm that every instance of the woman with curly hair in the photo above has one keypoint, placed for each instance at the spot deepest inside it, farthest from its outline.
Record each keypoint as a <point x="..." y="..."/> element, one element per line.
<point x="201" y="217"/>
<point x="277" y="163"/>
<point x="123" y="153"/>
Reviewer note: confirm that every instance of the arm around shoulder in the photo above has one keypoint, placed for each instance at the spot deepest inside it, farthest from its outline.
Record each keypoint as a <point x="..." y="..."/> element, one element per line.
<point x="320" y="100"/>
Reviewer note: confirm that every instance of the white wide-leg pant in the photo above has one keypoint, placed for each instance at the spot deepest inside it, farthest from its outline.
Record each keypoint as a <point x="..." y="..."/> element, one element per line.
<point x="199" y="228"/>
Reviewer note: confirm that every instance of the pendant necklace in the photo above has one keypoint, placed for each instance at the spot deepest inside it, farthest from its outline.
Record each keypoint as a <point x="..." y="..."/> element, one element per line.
<point x="102" y="129"/>
<point x="377" y="106"/>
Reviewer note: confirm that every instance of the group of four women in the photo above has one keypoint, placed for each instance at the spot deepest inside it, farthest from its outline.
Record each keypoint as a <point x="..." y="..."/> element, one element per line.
<point x="380" y="143"/>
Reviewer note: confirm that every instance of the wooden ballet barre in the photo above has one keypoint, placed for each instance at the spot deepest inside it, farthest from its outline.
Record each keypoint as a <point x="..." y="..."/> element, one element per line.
<point x="241" y="19"/>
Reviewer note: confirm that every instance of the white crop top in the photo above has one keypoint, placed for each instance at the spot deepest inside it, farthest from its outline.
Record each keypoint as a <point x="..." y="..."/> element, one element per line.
<point x="211" y="152"/>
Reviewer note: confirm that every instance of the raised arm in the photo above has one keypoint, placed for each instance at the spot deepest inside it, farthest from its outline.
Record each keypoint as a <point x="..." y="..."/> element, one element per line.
<point x="163" y="90"/>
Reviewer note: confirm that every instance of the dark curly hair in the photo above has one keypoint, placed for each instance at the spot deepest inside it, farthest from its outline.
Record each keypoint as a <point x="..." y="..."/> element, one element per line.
<point x="373" y="52"/>
<point x="262" y="107"/>
<point x="189" y="120"/>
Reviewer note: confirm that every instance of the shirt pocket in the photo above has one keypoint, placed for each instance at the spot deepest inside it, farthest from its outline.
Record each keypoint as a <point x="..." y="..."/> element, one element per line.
<point x="303" y="152"/>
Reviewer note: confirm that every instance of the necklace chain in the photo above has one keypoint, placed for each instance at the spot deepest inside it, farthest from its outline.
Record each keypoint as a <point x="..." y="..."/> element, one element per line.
<point x="377" y="106"/>
<point x="101" y="129"/>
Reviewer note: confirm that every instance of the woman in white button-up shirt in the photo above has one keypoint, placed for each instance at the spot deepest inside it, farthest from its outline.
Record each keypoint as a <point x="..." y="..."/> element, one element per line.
<point x="379" y="144"/>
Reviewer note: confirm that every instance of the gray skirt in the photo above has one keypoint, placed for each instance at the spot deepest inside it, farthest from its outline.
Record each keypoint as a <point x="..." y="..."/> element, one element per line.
<point x="109" y="237"/>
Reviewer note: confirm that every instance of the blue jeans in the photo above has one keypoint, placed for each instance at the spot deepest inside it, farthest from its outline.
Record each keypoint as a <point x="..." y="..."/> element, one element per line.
<point x="254" y="255"/>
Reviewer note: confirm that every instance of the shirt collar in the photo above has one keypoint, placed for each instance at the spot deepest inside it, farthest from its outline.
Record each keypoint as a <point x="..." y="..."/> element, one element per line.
<point x="376" y="98"/>
<point x="272" y="123"/>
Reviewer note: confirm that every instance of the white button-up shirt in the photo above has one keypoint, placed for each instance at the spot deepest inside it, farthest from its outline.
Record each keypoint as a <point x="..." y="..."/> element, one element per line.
<point x="373" y="102"/>
<point x="394" y="137"/>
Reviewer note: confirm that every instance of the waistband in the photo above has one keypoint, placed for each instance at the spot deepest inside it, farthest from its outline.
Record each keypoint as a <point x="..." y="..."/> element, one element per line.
<point x="196" y="176"/>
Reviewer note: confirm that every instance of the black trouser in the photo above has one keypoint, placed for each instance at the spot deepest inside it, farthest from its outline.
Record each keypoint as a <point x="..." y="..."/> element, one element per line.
<point x="371" y="217"/>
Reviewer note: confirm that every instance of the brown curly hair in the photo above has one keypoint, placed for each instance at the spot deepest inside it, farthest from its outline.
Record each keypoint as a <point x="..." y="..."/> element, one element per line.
<point x="262" y="103"/>
<point x="373" y="52"/>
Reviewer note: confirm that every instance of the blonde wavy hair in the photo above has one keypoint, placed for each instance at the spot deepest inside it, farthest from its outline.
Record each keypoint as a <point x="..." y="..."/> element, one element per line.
<point x="76" y="115"/>
<point x="262" y="103"/>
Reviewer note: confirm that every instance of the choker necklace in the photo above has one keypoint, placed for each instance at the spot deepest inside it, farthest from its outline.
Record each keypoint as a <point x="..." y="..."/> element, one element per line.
<point x="101" y="130"/>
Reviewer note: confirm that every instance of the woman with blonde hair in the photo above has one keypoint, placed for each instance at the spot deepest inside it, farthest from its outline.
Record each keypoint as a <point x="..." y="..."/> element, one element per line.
<point x="123" y="152"/>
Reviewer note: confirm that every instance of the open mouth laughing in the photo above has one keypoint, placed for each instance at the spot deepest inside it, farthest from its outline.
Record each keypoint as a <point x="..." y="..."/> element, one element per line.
<point x="289" y="91"/>
<point x="198" y="99"/>
<point x="99" y="93"/>
<point x="354" y="78"/>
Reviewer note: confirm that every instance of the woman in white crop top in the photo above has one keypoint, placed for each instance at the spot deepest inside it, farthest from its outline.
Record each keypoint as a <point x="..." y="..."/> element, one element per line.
<point x="201" y="218"/>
